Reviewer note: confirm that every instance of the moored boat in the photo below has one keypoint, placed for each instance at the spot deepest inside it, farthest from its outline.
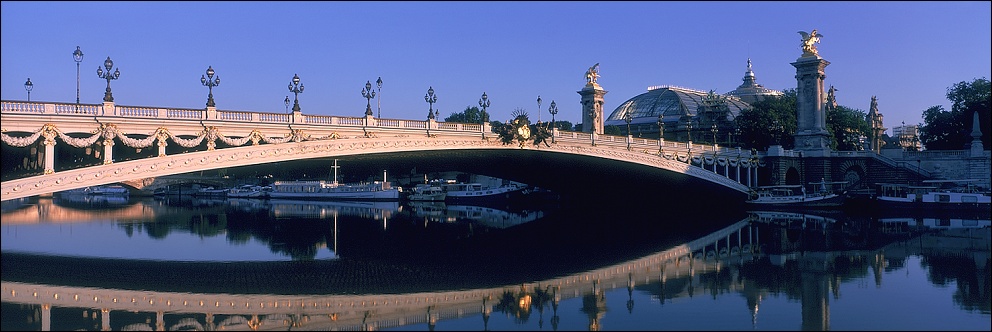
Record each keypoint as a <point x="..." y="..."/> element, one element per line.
<point x="795" y="196"/>
<point x="476" y="192"/>
<point x="932" y="196"/>
<point x="431" y="192"/>
<point x="247" y="191"/>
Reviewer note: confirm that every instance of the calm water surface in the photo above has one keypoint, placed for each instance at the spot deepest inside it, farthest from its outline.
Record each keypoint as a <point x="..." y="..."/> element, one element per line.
<point x="83" y="263"/>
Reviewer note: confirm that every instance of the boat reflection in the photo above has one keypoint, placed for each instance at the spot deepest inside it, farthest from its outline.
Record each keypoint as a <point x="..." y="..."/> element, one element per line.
<point x="766" y="255"/>
<point x="442" y="212"/>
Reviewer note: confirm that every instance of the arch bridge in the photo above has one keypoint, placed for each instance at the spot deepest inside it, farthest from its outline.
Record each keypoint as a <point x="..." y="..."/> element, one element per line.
<point x="169" y="141"/>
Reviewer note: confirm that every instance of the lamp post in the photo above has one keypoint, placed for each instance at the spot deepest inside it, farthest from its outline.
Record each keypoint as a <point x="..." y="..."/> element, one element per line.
<point x="627" y="118"/>
<point x="430" y="98"/>
<point x="109" y="64"/>
<point x="538" y="108"/>
<point x="28" y="86"/>
<point x="378" y="102"/>
<point x="210" y="82"/>
<point x="77" y="56"/>
<point x="661" y="135"/>
<point x="714" y="130"/>
<point x="368" y="93"/>
<point x="287" y="103"/>
<point x="296" y="88"/>
<point x="553" y="109"/>
<point x="484" y="103"/>
<point x="737" y="134"/>
<point x="688" y="132"/>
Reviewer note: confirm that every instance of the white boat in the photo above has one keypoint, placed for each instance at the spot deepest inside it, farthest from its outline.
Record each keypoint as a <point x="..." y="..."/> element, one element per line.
<point x="430" y="192"/>
<point x="332" y="190"/>
<point x="932" y="196"/>
<point x="476" y="192"/>
<point x="247" y="191"/>
<point x="787" y="196"/>
<point x="115" y="190"/>
<point x="210" y="192"/>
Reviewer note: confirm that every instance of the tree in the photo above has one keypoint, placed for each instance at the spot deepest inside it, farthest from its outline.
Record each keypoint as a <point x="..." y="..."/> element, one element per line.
<point x="943" y="130"/>
<point x="612" y="130"/>
<point x="469" y="115"/>
<point x="847" y="126"/>
<point x="770" y="121"/>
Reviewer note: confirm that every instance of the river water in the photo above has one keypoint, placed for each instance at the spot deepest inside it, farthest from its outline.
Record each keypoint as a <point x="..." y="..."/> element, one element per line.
<point x="90" y="263"/>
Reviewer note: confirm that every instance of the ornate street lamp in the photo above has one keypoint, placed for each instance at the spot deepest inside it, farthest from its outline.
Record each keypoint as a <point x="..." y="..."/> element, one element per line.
<point x="378" y="102"/>
<point x="109" y="64"/>
<point x="296" y="88"/>
<point x="539" y="108"/>
<point x="737" y="135"/>
<point x="714" y="131"/>
<point x="210" y="82"/>
<point x="627" y="118"/>
<point x="430" y="98"/>
<point x="368" y="93"/>
<point x="28" y="86"/>
<point x="661" y="135"/>
<point x="287" y="104"/>
<point x="77" y="56"/>
<point x="688" y="132"/>
<point x="553" y="109"/>
<point x="484" y="103"/>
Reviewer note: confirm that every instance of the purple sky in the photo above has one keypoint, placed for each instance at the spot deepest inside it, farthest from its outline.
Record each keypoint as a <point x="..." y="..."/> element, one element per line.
<point x="905" y="53"/>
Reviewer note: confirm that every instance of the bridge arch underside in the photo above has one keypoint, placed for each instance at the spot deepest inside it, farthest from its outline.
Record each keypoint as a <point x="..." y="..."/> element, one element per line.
<point x="575" y="176"/>
<point x="582" y="172"/>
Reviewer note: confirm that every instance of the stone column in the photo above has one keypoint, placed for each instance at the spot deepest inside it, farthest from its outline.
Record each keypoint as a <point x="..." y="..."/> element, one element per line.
<point x="108" y="151"/>
<point x="49" y="151"/>
<point x="592" y="108"/>
<point x="811" y="130"/>
<point x="105" y="319"/>
<point x="46" y="317"/>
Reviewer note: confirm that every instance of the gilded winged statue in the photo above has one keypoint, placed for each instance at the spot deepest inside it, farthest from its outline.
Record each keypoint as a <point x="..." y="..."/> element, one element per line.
<point x="809" y="39"/>
<point x="592" y="74"/>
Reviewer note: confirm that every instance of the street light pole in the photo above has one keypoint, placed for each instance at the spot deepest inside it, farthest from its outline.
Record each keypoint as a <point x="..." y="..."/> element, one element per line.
<point x="627" y="118"/>
<point x="661" y="135"/>
<point x="287" y="104"/>
<point x="539" y="108"/>
<point x="296" y="88"/>
<point x="430" y="98"/>
<point x="368" y="93"/>
<point x="553" y="109"/>
<point x="210" y="82"/>
<point x="378" y="102"/>
<point x="688" y="132"/>
<point x="29" y="86"/>
<point x="484" y="103"/>
<point x="714" y="130"/>
<point x="109" y="64"/>
<point x="77" y="56"/>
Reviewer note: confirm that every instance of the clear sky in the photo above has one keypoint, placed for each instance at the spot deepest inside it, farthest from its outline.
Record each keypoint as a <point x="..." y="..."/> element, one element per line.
<point x="905" y="53"/>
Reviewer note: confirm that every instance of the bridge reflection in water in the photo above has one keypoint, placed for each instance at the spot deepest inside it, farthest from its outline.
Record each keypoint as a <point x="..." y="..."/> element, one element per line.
<point x="741" y="258"/>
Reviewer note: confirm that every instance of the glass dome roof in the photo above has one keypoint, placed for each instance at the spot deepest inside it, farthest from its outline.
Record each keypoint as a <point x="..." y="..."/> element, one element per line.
<point x="671" y="102"/>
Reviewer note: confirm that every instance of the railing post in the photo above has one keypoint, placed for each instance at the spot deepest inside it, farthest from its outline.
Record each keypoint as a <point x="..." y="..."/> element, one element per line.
<point x="109" y="105"/>
<point x="211" y="112"/>
<point x="49" y="108"/>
